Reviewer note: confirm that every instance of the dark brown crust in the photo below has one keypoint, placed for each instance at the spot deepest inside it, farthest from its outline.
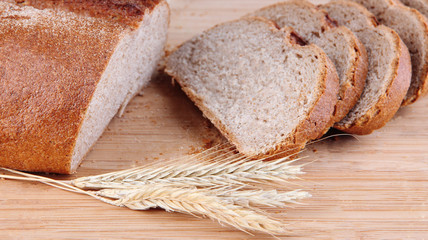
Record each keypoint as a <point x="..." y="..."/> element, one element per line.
<point x="350" y="94"/>
<point x="128" y="12"/>
<point x="44" y="107"/>
<point x="389" y="102"/>
<point x="317" y="121"/>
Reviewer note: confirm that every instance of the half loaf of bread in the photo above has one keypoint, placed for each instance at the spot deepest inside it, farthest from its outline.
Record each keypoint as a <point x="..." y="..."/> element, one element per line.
<point x="67" y="67"/>
<point x="389" y="70"/>
<point x="339" y="43"/>
<point x="263" y="91"/>
<point x="412" y="27"/>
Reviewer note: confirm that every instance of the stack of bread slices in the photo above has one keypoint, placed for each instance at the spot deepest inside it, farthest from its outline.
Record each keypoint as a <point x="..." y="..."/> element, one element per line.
<point x="283" y="75"/>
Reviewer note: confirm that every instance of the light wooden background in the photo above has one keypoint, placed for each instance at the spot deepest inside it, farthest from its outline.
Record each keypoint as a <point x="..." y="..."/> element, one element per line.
<point x="375" y="187"/>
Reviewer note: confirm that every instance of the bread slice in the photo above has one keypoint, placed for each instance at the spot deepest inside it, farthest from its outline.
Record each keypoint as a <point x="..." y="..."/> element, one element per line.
<point x="67" y="67"/>
<point x="389" y="70"/>
<point x="413" y="29"/>
<point x="263" y="91"/>
<point x="339" y="43"/>
<point x="420" y="5"/>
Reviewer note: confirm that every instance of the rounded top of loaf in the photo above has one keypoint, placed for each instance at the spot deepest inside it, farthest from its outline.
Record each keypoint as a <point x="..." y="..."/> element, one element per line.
<point x="128" y="12"/>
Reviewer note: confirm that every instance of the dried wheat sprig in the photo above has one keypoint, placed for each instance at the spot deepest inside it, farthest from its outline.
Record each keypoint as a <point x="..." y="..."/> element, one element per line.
<point x="202" y="174"/>
<point x="214" y="153"/>
<point x="225" y="153"/>
<point x="195" y="202"/>
<point x="247" y="198"/>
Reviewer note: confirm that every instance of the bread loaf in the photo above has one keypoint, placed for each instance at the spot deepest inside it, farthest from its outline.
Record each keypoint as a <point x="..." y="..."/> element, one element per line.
<point x="263" y="91"/>
<point x="67" y="67"/>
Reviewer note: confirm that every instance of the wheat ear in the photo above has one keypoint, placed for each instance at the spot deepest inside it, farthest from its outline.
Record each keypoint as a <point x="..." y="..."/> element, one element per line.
<point x="234" y="169"/>
<point x="194" y="202"/>
<point x="270" y="198"/>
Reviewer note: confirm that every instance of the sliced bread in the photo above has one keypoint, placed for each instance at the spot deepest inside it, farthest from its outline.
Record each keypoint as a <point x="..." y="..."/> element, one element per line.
<point x="420" y="5"/>
<point x="389" y="70"/>
<point x="413" y="29"/>
<point x="339" y="43"/>
<point x="263" y="91"/>
<point x="67" y="67"/>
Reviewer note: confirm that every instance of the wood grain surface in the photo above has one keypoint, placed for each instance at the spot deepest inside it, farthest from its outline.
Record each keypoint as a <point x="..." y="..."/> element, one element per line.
<point x="373" y="187"/>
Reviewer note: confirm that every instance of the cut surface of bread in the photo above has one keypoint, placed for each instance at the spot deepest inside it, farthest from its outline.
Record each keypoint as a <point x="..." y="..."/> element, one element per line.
<point x="80" y="68"/>
<point x="413" y="29"/>
<point x="339" y="43"/>
<point x="420" y="5"/>
<point x="389" y="70"/>
<point x="264" y="92"/>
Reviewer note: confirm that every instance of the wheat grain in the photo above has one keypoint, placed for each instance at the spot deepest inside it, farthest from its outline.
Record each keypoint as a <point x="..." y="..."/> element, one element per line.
<point x="271" y="198"/>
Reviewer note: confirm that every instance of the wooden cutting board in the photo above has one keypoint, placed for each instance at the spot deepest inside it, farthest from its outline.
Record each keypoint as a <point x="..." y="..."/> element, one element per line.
<point x="373" y="187"/>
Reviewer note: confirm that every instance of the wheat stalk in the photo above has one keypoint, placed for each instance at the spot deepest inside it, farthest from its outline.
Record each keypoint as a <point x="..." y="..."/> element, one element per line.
<point x="218" y="183"/>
